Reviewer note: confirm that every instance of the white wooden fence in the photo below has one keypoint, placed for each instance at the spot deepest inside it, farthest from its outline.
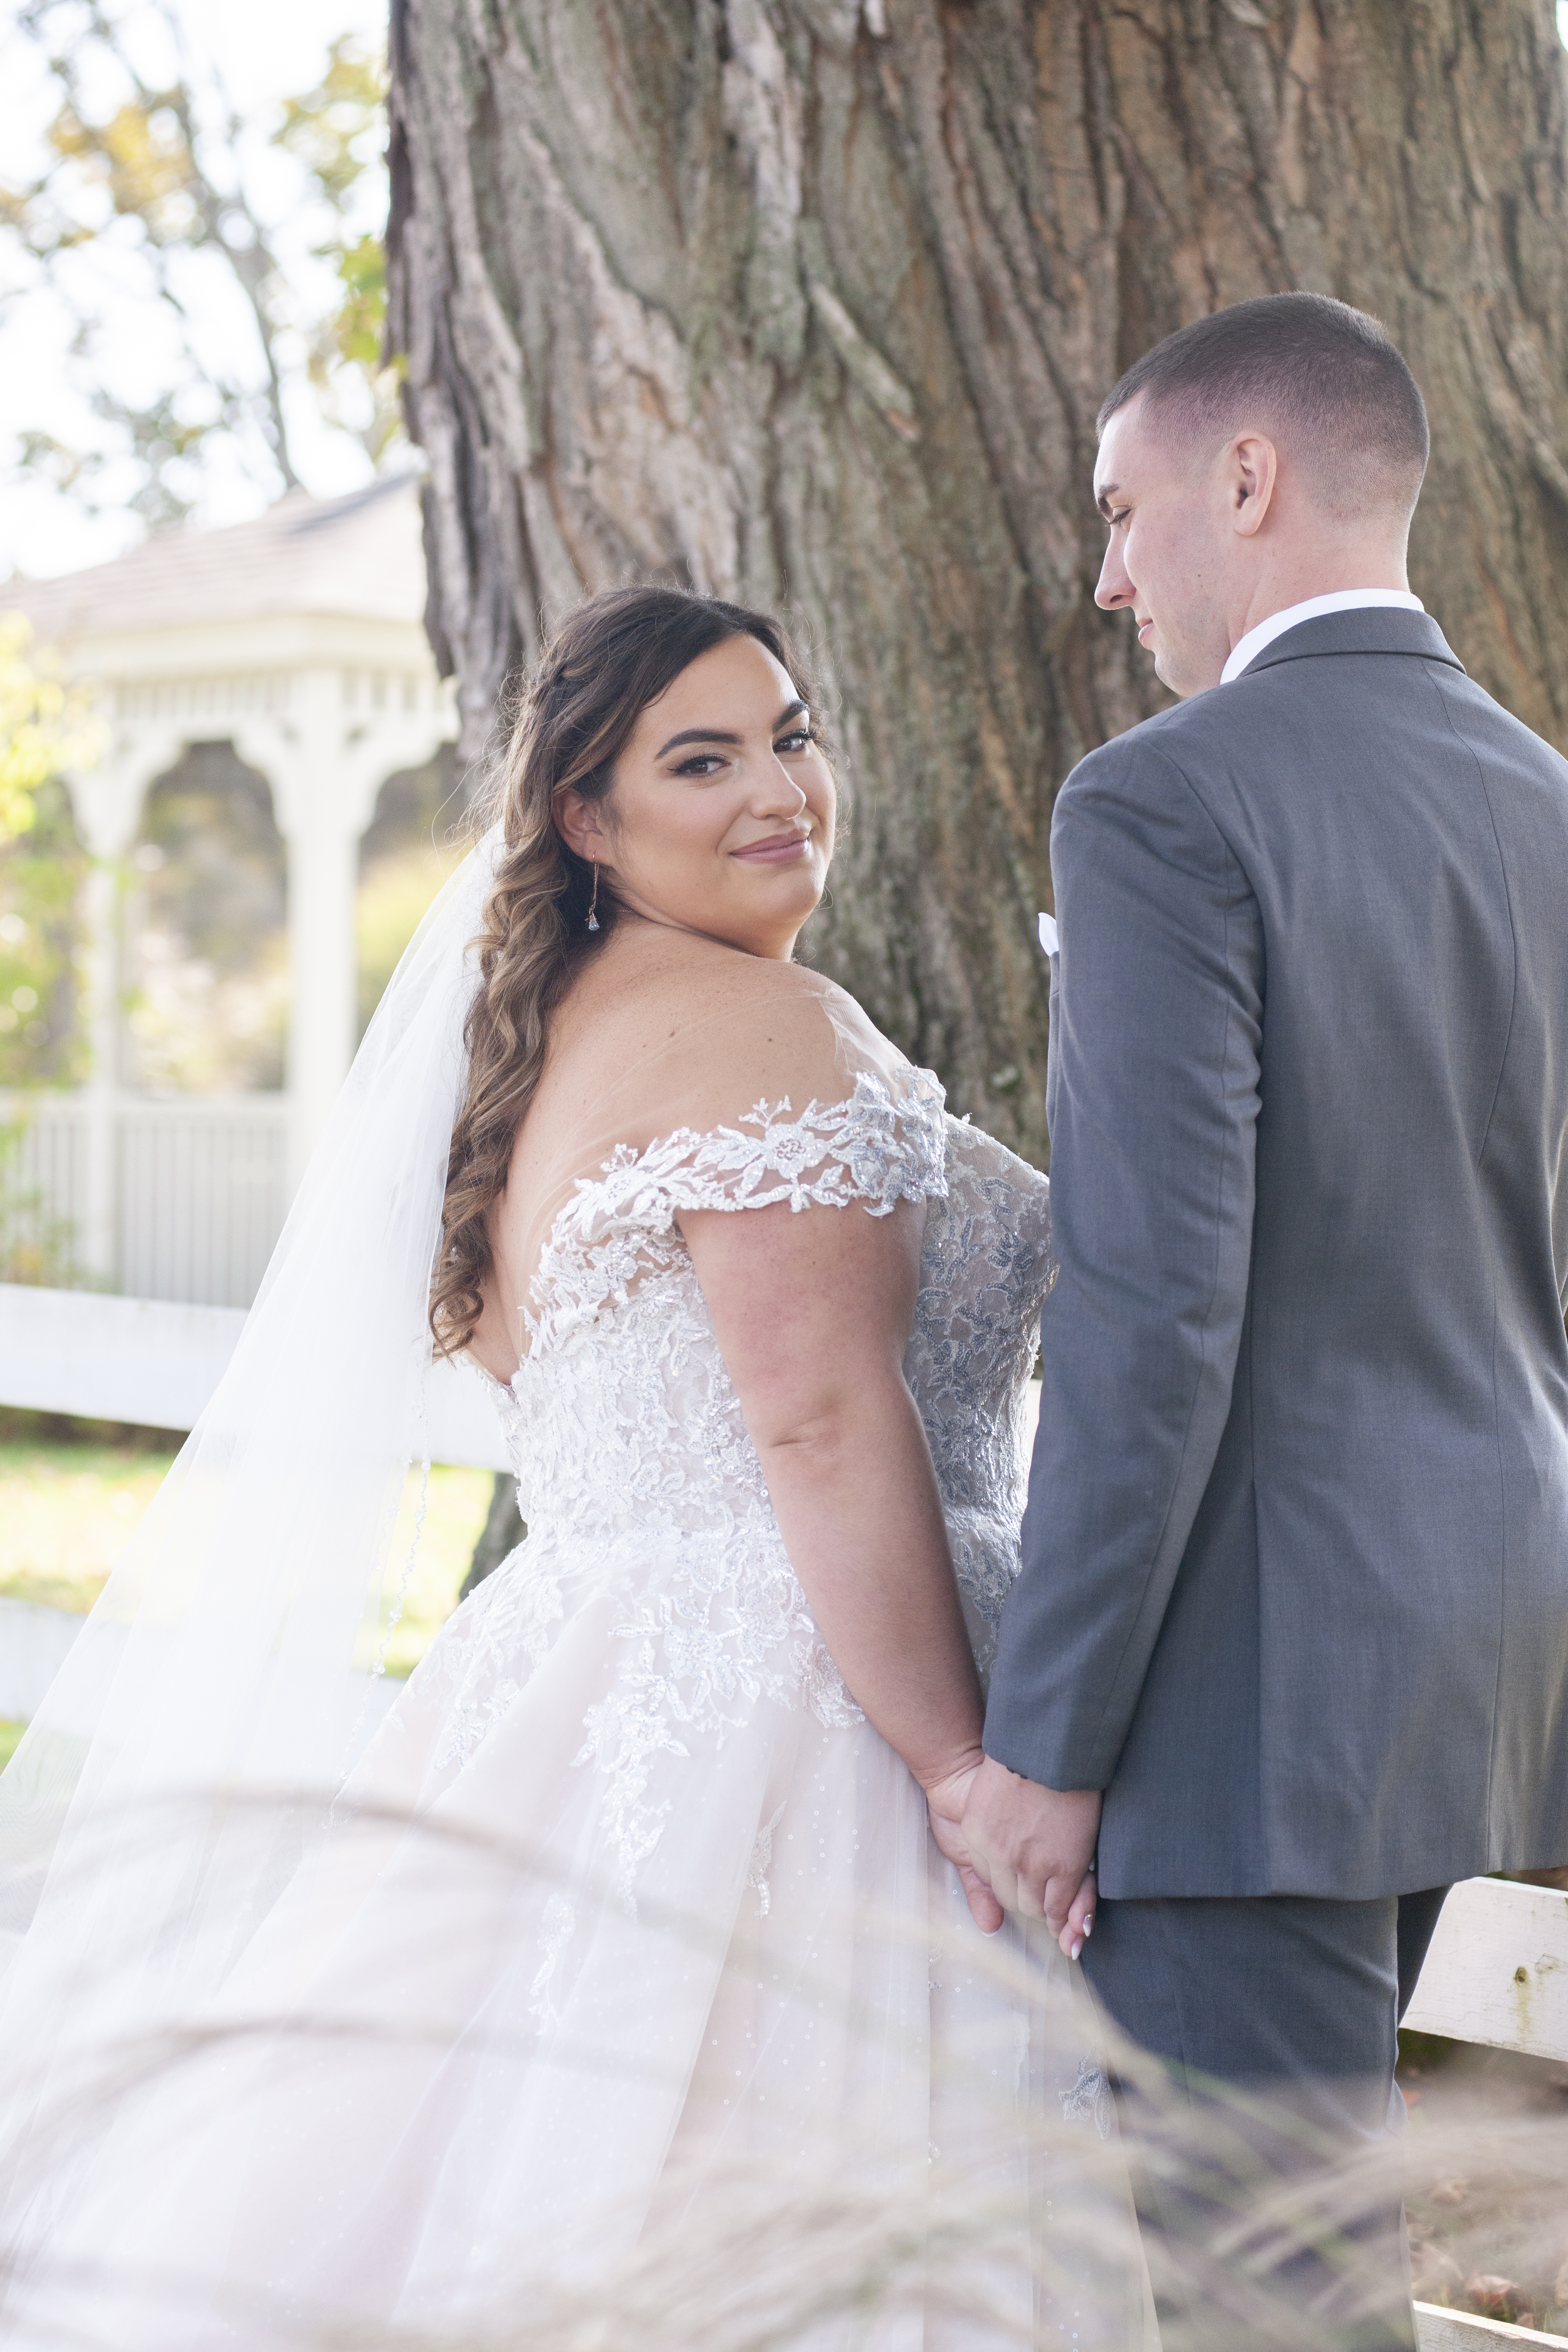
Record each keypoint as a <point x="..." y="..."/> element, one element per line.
<point x="1498" y="1969"/>
<point x="148" y="1361"/>
<point x="1456" y="2331"/>
<point x="1497" y="1973"/>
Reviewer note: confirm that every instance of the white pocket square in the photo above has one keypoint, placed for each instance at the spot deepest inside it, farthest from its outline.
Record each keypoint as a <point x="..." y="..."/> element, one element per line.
<point x="1048" y="933"/>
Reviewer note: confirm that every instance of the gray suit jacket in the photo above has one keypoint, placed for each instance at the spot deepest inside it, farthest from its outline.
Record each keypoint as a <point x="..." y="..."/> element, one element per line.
<point x="1295" y="1583"/>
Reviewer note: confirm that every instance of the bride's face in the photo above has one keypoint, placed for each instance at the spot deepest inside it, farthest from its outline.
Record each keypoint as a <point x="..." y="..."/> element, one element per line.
<point x="720" y="817"/>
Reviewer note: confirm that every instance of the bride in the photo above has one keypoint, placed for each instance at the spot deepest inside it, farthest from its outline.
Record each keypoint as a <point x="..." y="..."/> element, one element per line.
<point x="634" y="1957"/>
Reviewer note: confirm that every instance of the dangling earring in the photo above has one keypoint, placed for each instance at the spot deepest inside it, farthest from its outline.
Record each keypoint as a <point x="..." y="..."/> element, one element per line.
<point x="593" y="903"/>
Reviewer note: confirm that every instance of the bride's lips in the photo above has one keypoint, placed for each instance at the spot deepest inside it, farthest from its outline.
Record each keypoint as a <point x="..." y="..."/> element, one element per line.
<point x="779" y="849"/>
<point x="1143" y="629"/>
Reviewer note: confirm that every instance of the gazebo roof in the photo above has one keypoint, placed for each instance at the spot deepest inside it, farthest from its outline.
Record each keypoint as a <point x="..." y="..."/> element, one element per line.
<point x="358" y="555"/>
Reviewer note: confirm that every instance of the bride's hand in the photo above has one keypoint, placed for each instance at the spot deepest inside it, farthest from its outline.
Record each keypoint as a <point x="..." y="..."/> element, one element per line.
<point x="946" y="1797"/>
<point x="1034" y="1847"/>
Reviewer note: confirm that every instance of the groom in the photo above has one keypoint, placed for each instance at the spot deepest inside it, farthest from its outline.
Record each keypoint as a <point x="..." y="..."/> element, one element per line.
<point x="1290" y="1641"/>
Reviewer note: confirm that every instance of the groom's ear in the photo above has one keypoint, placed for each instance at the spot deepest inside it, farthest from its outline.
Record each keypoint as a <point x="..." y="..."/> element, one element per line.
<point x="1252" y="468"/>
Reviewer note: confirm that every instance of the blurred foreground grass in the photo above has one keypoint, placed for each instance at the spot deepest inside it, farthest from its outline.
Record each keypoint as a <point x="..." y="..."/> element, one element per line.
<point x="68" y="1508"/>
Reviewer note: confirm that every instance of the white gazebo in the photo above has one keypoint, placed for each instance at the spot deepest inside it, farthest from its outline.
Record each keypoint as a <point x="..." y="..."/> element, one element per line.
<point x="298" y="639"/>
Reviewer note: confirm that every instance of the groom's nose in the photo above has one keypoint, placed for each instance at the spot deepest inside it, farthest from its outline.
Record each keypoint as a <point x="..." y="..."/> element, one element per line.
<point x="1114" y="587"/>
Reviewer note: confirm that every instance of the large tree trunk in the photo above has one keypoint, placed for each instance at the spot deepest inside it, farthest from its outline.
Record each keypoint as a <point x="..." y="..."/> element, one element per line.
<point x="812" y="302"/>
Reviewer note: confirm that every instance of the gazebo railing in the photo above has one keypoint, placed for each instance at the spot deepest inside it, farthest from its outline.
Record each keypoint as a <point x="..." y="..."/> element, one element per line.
<point x="176" y="1197"/>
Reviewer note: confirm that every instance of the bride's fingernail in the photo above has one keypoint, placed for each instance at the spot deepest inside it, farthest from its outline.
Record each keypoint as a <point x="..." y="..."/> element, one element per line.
<point x="1089" y="1925"/>
<point x="1077" y="1946"/>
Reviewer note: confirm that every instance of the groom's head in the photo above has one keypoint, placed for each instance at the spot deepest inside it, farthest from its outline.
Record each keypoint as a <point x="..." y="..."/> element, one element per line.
<point x="1268" y="454"/>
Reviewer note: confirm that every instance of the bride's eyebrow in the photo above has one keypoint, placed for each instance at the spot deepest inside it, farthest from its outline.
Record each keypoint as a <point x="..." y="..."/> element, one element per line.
<point x="723" y="735"/>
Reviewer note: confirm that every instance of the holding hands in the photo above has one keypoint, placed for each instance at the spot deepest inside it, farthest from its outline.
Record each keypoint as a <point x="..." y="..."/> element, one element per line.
<point x="1019" y="1847"/>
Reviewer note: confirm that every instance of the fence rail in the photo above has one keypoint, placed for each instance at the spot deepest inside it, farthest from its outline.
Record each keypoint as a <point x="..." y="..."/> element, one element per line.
<point x="156" y="1362"/>
<point x="1457" y="2331"/>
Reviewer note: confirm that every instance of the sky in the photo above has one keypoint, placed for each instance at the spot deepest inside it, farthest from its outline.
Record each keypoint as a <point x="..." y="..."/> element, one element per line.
<point x="264" y="52"/>
<point x="265" y="49"/>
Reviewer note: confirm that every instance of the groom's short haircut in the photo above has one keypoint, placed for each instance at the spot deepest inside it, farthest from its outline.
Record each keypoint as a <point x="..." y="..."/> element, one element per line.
<point x="1324" y="380"/>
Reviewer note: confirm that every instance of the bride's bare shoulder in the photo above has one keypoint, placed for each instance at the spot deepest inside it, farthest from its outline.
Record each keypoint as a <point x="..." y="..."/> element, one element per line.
<point x="648" y="962"/>
<point x="650" y="979"/>
<point x="708" y="1028"/>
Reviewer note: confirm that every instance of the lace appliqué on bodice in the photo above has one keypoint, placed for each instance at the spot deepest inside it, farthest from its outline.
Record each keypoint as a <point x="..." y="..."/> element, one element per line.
<point x="985" y="1267"/>
<point x="872" y="1149"/>
<point x="642" y="1491"/>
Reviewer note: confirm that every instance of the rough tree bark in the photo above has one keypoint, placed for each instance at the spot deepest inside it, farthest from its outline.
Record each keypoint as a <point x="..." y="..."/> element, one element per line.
<point x="812" y="302"/>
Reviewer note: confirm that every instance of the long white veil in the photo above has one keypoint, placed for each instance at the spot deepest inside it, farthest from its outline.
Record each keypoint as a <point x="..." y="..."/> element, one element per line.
<point x="223" y="1675"/>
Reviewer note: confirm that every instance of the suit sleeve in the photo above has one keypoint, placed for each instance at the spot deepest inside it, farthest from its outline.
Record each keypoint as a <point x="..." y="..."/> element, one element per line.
<point x="1152" y="1098"/>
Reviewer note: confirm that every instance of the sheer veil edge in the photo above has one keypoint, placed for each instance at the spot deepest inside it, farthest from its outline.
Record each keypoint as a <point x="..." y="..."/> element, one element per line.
<point x="211" y="1703"/>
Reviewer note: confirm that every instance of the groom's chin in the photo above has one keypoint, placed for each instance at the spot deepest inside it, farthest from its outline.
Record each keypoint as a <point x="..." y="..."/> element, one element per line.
<point x="1168" y="669"/>
<point x="1182" y="677"/>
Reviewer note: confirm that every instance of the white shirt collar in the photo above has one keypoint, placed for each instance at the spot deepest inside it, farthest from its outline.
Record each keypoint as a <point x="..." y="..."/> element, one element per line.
<point x="1343" y="600"/>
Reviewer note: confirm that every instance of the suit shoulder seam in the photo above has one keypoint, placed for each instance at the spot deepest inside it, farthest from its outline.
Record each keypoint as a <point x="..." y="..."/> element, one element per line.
<point x="1159" y="752"/>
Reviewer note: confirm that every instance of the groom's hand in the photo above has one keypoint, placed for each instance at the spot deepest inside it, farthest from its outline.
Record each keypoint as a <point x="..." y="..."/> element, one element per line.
<point x="1033" y="1847"/>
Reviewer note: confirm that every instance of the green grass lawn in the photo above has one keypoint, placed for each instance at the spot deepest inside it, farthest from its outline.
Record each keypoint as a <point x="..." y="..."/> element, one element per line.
<point x="9" y="1735"/>
<point x="67" y="1511"/>
<point x="65" y="1514"/>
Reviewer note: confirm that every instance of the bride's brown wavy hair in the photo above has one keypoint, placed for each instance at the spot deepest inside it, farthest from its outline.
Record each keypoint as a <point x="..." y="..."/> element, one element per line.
<point x="598" y="674"/>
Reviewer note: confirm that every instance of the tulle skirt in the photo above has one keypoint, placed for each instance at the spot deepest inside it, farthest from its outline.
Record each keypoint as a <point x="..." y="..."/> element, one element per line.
<point x="600" y="2017"/>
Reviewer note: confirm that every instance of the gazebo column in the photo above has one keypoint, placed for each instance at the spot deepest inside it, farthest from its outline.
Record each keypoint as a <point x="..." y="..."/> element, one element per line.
<point x="326" y="760"/>
<point x="95" y="1231"/>
<point x="324" y="799"/>
<point x="107" y="804"/>
<point x="324" y="872"/>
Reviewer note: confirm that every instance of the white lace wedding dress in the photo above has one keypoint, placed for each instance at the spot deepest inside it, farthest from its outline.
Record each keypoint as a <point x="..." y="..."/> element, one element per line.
<point x="669" y="1986"/>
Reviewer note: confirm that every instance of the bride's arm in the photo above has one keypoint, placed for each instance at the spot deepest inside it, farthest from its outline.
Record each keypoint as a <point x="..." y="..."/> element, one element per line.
<point x="812" y="1313"/>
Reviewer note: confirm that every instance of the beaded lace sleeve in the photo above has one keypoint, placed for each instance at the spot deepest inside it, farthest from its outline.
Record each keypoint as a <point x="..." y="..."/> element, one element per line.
<point x="874" y="1148"/>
